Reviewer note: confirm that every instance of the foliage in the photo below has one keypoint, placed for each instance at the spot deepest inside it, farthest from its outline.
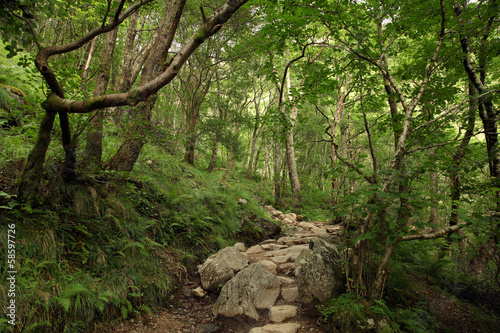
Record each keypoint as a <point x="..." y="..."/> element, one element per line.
<point x="350" y="313"/>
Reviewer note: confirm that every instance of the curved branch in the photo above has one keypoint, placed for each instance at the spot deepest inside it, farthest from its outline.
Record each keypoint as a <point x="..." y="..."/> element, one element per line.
<point x="41" y="60"/>
<point x="286" y="70"/>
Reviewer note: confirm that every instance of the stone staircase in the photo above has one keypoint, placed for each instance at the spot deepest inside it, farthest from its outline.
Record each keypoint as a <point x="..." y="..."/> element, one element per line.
<point x="263" y="286"/>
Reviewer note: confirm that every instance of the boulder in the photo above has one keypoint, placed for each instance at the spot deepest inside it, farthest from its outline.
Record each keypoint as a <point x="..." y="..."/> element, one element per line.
<point x="221" y="267"/>
<point x="251" y="289"/>
<point x="319" y="272"/>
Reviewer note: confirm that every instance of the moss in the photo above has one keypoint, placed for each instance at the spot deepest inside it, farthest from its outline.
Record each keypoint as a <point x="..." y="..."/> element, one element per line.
<point x="14" y="90"/>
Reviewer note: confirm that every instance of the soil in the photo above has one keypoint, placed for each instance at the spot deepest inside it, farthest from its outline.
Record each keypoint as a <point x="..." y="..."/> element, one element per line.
<point x="190" y="314"/>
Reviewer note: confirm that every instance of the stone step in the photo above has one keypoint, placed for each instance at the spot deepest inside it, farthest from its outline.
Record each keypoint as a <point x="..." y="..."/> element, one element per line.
<point x="277" y="328"/>
<point x="290" y="294"/>
<point x="280" y="313"/>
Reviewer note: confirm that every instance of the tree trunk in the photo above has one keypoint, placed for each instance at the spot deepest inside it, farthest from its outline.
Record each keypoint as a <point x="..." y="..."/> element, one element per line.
<point x="458" y="156"/>
<point x="232" y="155"/>
<point x="125" y="81"/>
<point x="29" y="181"/>
<point x="290" y="155"/>
<point x="192" y="118"/>
<point x="193" y="86"/>
<point x="253" y="150"/>
<point x="433" y="179"/>
<point x="85" y="72"/>
<point x="92" y="158"/>
<point x="277" y="186"/>
<point x="486" y="108"/>
<point x="213" y="159"/>
<point x="135" y="136"/>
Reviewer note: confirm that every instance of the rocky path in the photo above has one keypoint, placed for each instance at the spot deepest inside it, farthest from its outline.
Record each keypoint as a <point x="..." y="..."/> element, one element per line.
<point x="260" y="283"/>
<point x="258" y="287"/>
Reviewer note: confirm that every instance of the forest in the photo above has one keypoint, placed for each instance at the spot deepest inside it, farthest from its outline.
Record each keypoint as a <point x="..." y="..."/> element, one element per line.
<point x="139" y="137"/>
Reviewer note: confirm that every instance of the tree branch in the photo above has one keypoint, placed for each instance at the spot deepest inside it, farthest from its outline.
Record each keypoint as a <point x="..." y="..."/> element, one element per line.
<point x="456" y="108"/>
<point x="41" y="60"/>
<point x="431" y="235"/>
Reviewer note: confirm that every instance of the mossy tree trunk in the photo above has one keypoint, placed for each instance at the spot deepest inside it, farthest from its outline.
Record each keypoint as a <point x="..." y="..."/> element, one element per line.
<point x="136" y="135"/>
<point x="32" y="174"/>
<point x="92" y="159"/>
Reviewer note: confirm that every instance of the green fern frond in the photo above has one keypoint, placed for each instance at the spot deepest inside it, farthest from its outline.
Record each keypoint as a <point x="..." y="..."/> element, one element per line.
<point x="73" y="290"/>
<point x="145" y="308"/>
<point x="35" y="327"/>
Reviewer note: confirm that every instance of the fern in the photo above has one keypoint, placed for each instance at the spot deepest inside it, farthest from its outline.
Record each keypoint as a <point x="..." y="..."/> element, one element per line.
<point x="145" y="308"/>
<point x="35" y="327"/>
<point x="126" y="308"/>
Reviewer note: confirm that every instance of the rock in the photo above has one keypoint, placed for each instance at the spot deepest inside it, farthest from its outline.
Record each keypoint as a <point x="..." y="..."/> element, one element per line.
<point x="333" y="228"/>
<point x="270" y="266"/>
<point x="280" y="259"/>
<point x="290" y="253"/>
<point x="317" y="231"/>
<point x="240" y="246"/>
<point x="275" y="213"/>
<point x="280" y="313"/>
<point x="221" y="267"/>
<point x="252" y="288"/>
<point x="255" y="229"/>
<point x="286" y="280"/>
<point x="291" y="216"/>
<point x="290" y="294"/>
<point x="287" y="269"/>
<point x="329" y="238"/>
<point x="277" y="328"/>
<point x="242" y="201"/>
<point x="199" y="292"/>
<point x="306" y="225"/>
<point x="286" y="220"/>
<point x="255" y="249"/>
<point x="273" y="247"/>
<point x="289" y="241"/>
<point x="319" y="272"/>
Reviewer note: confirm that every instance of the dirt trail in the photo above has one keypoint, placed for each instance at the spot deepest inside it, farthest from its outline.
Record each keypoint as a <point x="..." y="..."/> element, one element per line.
<point x="194" y="315"/>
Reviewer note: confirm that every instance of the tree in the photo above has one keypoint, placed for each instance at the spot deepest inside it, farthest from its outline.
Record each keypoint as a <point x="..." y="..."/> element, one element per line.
<point x="56" y="103"/>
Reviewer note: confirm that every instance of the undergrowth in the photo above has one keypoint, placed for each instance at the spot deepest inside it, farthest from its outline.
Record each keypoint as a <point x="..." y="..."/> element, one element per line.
<point x="108" y="246"/>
